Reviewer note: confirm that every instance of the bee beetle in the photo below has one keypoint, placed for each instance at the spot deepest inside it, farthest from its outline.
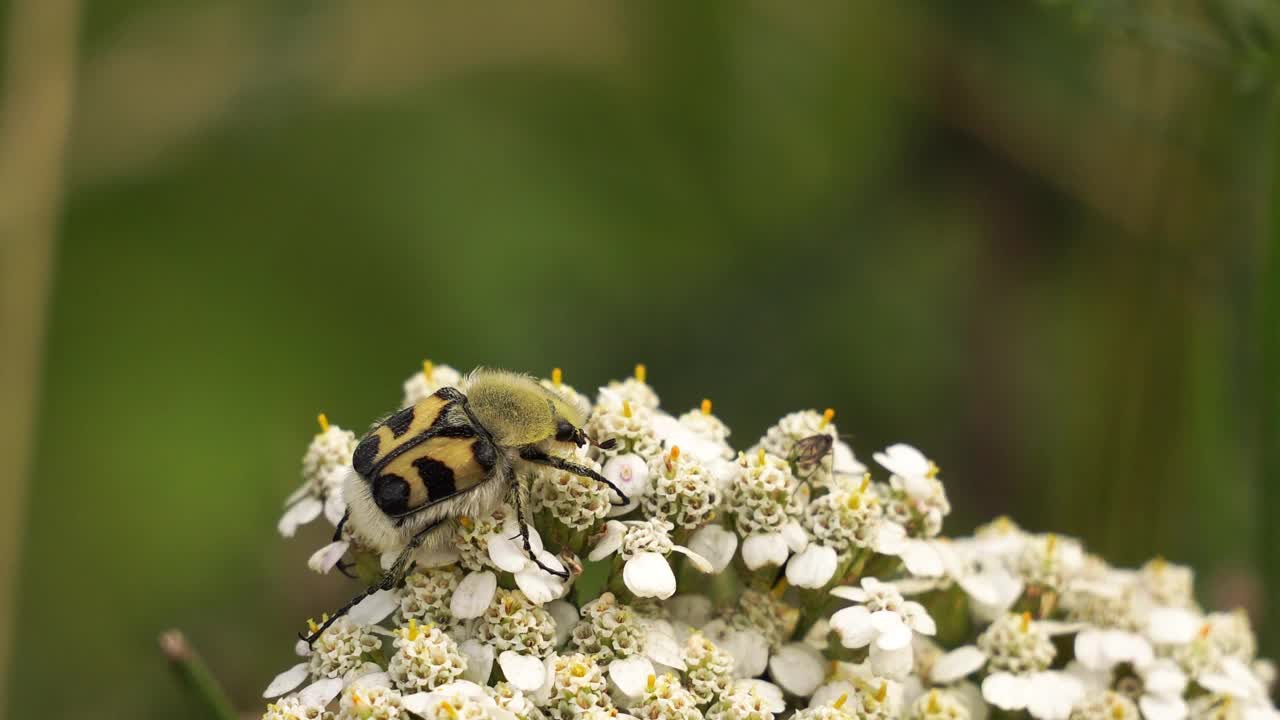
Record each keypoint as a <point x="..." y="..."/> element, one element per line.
<point x="454" y="454"/>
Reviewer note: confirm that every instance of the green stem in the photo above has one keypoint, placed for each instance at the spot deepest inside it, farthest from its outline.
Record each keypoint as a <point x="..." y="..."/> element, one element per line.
<point x="196" y="677"/>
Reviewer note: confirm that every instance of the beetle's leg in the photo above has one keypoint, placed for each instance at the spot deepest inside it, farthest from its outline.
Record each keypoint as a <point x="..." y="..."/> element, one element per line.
<point x="535" y="455"/>
<point x="389" y="580"/>
<point x="523" y="522"/>
<point x="337" y="532"/>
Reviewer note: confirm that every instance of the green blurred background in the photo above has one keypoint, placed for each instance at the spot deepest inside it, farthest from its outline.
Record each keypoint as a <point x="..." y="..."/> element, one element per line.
<point x="1030" y="238"/>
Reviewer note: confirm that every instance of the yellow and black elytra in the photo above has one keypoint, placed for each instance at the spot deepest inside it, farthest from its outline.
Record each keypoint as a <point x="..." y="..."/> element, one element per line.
<point x="425" y="454"/>
<point x="453" y="454"/>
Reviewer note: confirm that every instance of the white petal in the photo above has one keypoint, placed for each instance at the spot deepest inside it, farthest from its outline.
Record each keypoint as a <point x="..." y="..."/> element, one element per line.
<point x="1089" y="650"/>
<point x="661" y="646"/>
<point x="1052" y="695"/>
<point x="894" y="663"/>
<point x="302" y="649"/>
<point x="848" y="592"/>
<point x="320" y="692"/>
<point x="1164" y="678"/>
<point x="764" y="549"/>
<point x="525" y="672"/>
<point x="854" y="626"/>
<point x="698" y="562"/>
<point x="566" y="616"/>
<point x="956" y="664"/>
<point x="798" y="668"/>
<point x="535" y="540"/>
<point x="921" y="558"/>
<point x="1162" y="708"/>
<point x="479" y="660"/>
<point x="630" y="473"/>
<point x="473" y="595"/>
<point x="844" y="462"/>
<point x="335" y="506"/>
<point x="647" y="574"/>
<point x="771" y="697"/>
<point x="918" y="619"/>
<point x="750" y="651"/>
<point x="300" y="513"/>
<point x="795" y="536"/>
<point x="368" y="675"/>
<point x="813" y="567"/>
<point x="373" y="609"/>
<point x="1172" y="626"/>
<point x="433" y="557"/>
<point x="631" y="674"/>
<point x="903" y="460"/>
<point x="890" y="538"/>
<point x="1233" y="678"/>
<point x="506" y="554"/>
<point x="610" y="542"/>
<point x="830" y="692"/>
<point x="892" y="632"/>
<point x="1006" y="691"/>
<point x="995" y="590"/>
<point x="286" y="681"/>
<point x="323" y="560"/>
<point x="539" y="585"/>
<point x="715" y="544"/>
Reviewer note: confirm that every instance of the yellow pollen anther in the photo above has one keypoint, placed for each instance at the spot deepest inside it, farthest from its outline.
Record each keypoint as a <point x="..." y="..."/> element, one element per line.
<point x="672" y="457"/>
<point x="311" y="625"/>
<point x="933" y="470"/>
<point x="827" y="416"/>
<point x="934" y="707"/>
<point x="840" y="701"/>
<point x="324" y="423"/>
<point x="1026" y="621"/>
<point x="1117" y="711"/>
<point x="557" y="376"/>
<point x="652" y="682"/>
<point x="465" y="522"/>
<point x="1051" y="543"/>
<point x="706" y="406"/>
<point x="448" y="708"/>
<point x="641" y="372"/>
<point x="1205" y="629"/>
<point x="412" y="633"/>
<point x="866" y="482"/>
<point x="428" y="369"/>
<point x="355" y="697"/>
<point x="760" y="456"/>
<point x="1159" y="564"/>
<point x="626" y="408"/>
<point x="883" y="692"/>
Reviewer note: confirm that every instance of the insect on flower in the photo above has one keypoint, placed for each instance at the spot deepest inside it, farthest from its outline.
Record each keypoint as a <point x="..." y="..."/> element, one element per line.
<point x="454" y="454"/>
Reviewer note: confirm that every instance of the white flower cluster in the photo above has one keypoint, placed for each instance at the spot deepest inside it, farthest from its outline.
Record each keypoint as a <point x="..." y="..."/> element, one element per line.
<point x="785" y="580"/>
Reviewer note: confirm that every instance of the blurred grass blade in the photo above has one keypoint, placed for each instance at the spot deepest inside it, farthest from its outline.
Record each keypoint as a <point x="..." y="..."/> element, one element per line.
<point x="195" y="676"/>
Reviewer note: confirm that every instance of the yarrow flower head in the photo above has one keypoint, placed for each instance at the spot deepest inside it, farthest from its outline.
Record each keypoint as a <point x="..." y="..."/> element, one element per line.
<point x="786" y="580"/>
<point x="324" y="468"/>
<point x="424" y="384"/>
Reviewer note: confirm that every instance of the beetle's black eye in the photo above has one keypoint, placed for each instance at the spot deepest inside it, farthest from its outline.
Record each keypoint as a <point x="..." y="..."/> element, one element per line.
<point x="566" y="432"/>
